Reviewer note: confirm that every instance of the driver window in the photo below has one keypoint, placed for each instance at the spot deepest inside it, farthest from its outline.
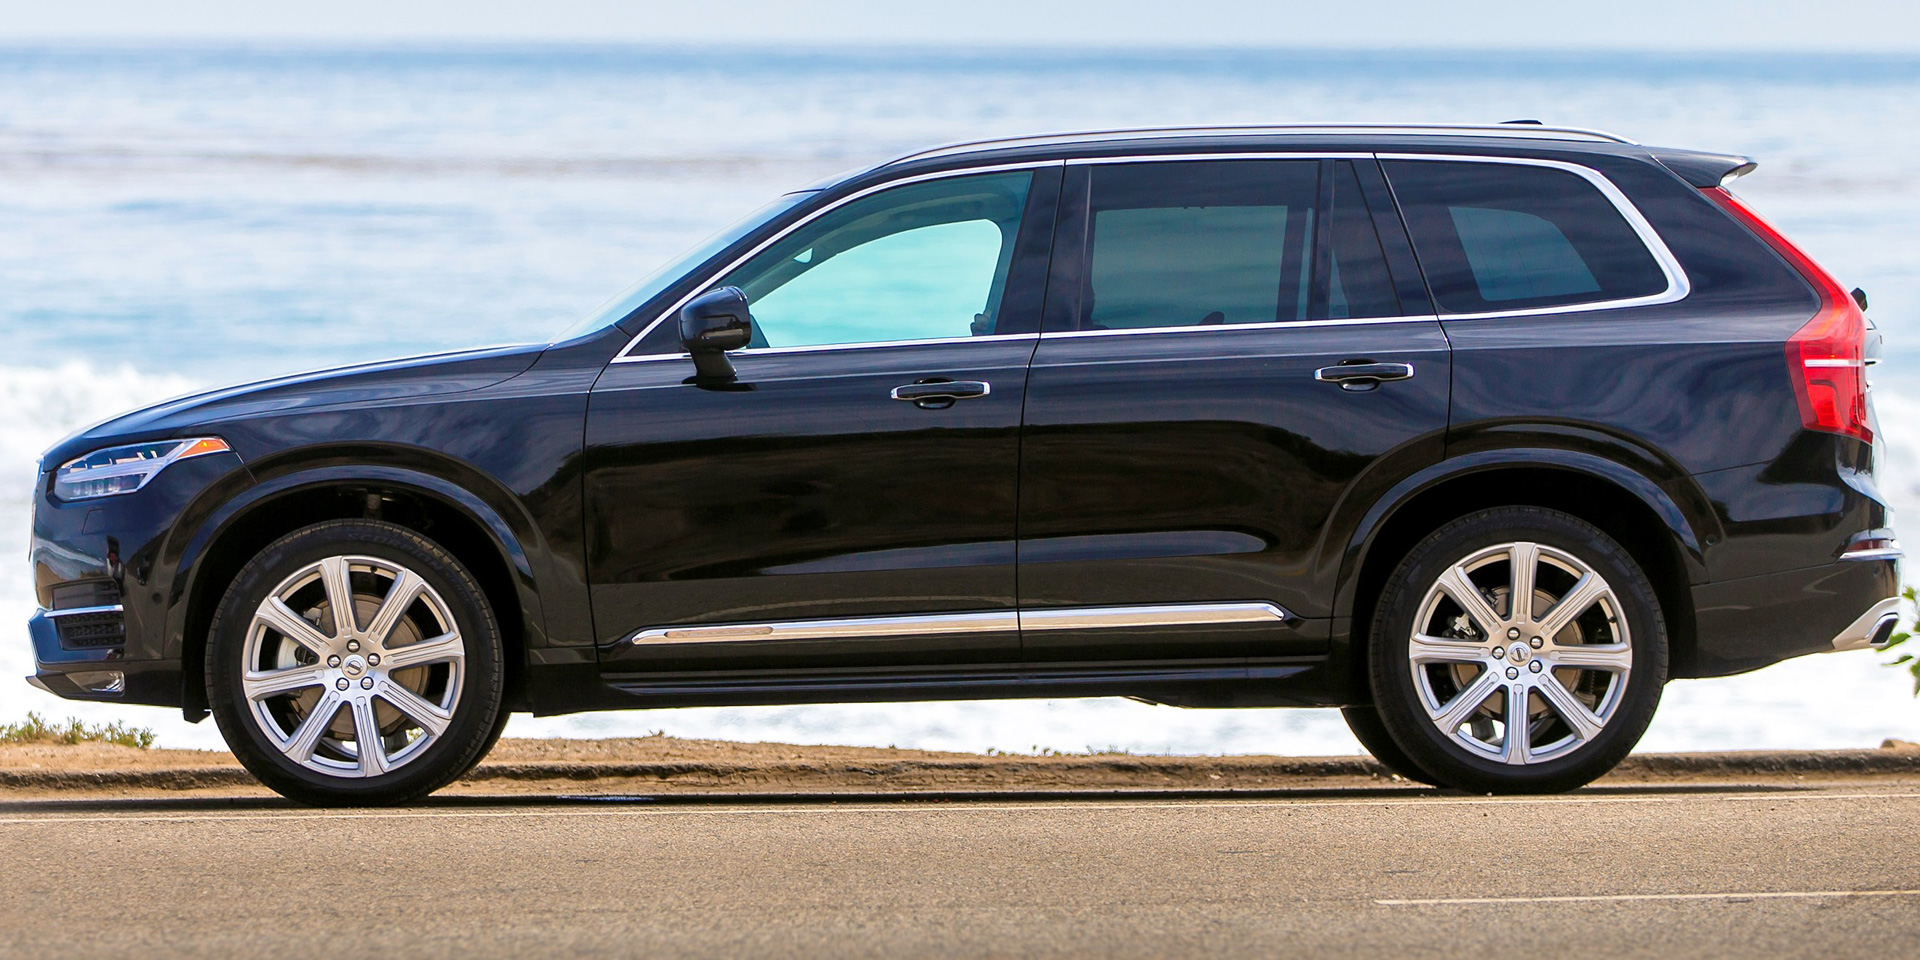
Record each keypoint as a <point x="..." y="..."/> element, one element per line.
<point x="918" y="262"/>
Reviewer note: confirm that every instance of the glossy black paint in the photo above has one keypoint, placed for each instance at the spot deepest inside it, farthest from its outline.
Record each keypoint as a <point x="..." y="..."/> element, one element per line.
<point x="597" y="498"/>
<point x="710" y="325"/>
<point x="808" y="492"/>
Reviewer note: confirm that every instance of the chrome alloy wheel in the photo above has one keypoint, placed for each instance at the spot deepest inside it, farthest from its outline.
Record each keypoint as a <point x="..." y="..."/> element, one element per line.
<point x="1520" y="630"/>
<point x="354" y="666"/>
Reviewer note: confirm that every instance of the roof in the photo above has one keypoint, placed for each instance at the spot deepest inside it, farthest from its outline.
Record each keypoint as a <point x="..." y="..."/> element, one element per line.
<point x="1518" y="131"/>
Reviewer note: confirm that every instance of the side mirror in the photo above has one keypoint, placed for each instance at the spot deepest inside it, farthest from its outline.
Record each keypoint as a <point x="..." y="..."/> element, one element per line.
<point x="710" y="325"/>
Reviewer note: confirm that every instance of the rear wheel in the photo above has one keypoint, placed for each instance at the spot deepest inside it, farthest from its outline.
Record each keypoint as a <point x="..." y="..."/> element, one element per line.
<point x="355" y="662"/>
<point x="1517" y="650"/>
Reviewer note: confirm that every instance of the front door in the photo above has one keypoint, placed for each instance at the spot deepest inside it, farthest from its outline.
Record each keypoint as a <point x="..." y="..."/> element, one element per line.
<point x="1229" y="362"/>
<point x="817" y="514"/>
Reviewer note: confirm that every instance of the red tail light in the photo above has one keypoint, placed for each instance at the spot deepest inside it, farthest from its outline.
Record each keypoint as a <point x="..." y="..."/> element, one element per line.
<point x="1826" y="357"/>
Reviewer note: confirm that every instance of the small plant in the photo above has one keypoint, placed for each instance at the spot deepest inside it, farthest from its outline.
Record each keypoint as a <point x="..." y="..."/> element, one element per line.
<point x="1907" y="660"/>
<point x="36" y="729"/>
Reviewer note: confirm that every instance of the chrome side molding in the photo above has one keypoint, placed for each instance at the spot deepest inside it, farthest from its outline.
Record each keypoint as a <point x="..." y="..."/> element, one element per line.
<point x="859" y="628"/>
<point x="893" y="627"/>
<point x="1154" y="615"/>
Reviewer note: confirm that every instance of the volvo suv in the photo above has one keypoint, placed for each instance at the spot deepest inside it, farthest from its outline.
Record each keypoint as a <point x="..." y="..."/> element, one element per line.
<point x="1479" y="434"/>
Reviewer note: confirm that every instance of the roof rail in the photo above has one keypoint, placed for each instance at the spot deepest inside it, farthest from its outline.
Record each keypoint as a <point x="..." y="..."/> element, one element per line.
<point x="1517" y="131"/>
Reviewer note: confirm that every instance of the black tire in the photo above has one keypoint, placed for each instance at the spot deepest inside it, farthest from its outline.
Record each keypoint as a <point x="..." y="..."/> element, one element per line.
<point x="476" y="714"/>
<point x="493" y="739"/>
<point x="1372" y="733"/>
<point x="1400" y="702"/>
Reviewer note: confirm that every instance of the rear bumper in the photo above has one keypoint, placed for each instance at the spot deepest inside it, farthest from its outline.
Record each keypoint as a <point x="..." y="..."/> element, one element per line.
<point x="1873" y="629"/>
<point x="1751" y="622"/>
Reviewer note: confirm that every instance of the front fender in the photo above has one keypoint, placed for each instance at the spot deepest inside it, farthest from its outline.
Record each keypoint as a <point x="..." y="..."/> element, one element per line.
<point x="511" y="530"/>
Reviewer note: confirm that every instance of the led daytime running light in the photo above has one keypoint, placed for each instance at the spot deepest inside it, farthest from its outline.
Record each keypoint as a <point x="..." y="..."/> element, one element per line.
<point x="124" y="469"/>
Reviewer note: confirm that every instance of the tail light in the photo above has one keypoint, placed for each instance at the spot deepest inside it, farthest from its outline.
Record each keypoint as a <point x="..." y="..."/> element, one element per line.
<point x="1827" y="356"/>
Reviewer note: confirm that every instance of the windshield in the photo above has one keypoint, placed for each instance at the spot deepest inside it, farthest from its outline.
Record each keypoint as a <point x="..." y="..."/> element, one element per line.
<point x="650" y="286"/>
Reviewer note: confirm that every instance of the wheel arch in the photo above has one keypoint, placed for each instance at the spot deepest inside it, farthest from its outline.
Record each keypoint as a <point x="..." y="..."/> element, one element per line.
<point x="476" y="531"/>
<point x="1666" y="538"/>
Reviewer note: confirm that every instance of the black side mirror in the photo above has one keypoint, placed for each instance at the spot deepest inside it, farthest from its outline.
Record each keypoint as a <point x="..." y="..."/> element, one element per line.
<point x="710" y="325"/>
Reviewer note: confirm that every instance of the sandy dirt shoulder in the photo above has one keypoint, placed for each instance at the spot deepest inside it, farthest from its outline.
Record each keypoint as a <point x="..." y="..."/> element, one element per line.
<point x="663" y="765"/>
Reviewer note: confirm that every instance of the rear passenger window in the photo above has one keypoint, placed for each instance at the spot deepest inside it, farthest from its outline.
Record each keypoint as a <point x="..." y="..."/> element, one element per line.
<point x="1199" y="242"/>
<point x="1503" y="236"/>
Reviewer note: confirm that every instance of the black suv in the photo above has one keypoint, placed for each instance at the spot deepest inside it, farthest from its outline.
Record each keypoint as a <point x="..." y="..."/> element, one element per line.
<point x="1478" y="433"/>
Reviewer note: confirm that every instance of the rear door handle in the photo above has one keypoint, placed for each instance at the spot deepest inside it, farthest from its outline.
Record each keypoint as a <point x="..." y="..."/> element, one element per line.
<point x="940" y="394"/>
<point x="1363" y="376"/>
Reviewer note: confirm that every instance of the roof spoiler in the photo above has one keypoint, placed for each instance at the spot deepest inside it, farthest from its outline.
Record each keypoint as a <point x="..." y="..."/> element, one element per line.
<point x="1706" y="169"/>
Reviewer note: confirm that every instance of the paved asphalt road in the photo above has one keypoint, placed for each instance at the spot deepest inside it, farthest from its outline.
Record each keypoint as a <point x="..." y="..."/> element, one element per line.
<point x="1615" y="873"/>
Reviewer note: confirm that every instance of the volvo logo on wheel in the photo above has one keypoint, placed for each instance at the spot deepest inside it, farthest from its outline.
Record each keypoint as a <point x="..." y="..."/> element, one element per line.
<point x="1518" y="653"/>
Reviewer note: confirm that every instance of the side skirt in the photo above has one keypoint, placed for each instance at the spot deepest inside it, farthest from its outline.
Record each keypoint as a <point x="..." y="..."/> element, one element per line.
<point x="1289" y="681"/>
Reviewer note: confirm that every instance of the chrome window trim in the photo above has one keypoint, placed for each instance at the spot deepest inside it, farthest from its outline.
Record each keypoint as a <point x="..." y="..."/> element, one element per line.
<point x="626" y="356"/>
<point x="73" y="611"/>
<point x="819" y="348"/>
<point x="1213" y="327"/>
<point x="890" y="627"/>
<point x="1678" y="286"/>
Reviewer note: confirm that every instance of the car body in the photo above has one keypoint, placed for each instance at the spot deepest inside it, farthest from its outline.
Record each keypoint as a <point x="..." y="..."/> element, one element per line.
<point x="1064" y="499"/>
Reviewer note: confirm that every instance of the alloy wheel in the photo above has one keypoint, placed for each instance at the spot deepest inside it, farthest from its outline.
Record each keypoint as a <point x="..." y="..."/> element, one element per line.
<point x="353" y="666"/>
<point x="1520" y="653"/>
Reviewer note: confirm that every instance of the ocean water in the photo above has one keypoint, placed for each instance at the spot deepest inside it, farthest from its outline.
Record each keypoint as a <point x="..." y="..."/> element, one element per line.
<point x="172" y="218"/>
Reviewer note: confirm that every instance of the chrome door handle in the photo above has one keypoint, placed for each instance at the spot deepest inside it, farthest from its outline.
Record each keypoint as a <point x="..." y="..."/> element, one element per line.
<point x="1363" y="376"/>
<point x="940" y="394"/>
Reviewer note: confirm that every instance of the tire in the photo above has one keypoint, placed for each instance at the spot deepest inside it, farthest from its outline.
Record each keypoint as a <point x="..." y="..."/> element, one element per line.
<point x="1372" y="733"/>
<point x="493" y="738"/>
<point x="276" y="660"/>
<point x="1589" y="672"/>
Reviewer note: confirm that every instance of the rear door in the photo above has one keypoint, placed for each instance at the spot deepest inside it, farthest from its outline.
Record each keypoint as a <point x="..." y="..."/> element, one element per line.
<point x="1233" y="351"/>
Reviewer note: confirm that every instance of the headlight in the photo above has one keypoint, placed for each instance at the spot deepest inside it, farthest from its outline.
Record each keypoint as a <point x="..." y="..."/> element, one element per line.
<point x="116" y="470"/>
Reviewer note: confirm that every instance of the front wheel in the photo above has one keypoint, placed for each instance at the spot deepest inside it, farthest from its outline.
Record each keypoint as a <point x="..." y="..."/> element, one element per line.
<point x="1517" y="650"/>
<point x="355" y="662"/>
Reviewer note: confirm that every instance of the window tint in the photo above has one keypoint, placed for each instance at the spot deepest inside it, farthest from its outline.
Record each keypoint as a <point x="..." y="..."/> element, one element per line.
<point x="1359" y="285"/>
<point x="1180" y="244"/>
<point x="918" y="262"/>
<point x="1501" y="236"/>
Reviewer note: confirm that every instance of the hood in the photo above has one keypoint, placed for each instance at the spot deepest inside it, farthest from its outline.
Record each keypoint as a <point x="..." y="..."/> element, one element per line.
<point x="433" y="375"/>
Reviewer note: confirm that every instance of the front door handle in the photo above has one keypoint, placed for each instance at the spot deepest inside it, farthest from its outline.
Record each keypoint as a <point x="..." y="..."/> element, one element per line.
<point x="1364" y="375"/>
<point x="940" y="394"/>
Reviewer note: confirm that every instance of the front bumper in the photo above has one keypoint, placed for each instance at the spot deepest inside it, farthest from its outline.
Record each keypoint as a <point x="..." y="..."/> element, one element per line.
<point x="80" y="671"/>
<point x="104" y="578"/>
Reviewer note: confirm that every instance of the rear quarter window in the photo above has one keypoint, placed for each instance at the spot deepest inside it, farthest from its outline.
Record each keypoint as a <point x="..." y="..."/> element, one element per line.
<point x="1498" y="237"/>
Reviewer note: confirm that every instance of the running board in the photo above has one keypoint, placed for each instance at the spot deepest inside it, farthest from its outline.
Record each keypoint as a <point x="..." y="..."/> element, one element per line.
<point x="999" y="621"/>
